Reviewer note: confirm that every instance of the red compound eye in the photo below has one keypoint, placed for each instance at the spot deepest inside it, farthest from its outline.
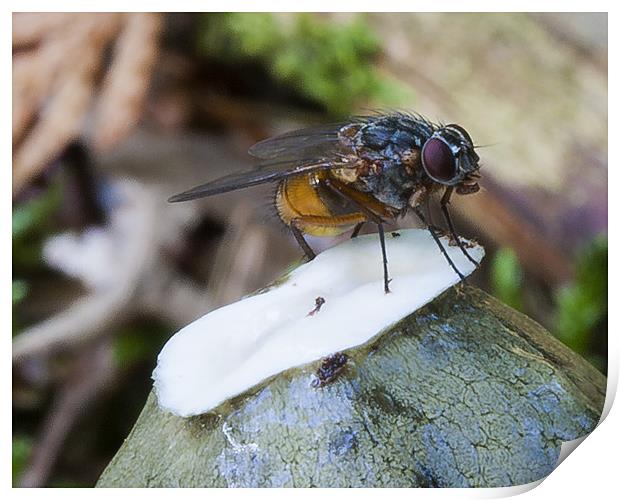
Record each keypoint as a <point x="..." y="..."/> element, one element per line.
<point x="438" y="160"/>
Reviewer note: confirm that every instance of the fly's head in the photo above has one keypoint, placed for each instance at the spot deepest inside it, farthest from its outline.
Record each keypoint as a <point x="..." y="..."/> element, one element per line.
<point x="449" y="158"/>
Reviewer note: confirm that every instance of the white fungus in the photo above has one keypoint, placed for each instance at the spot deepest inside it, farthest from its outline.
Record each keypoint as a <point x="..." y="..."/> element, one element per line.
<point x="232" y="349"/>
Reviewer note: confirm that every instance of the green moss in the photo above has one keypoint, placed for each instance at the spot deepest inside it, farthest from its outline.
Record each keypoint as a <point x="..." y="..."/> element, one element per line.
<point x="22" y="447"/>
<point x="139" y="342"/>
<point x="20" y="290"/>
<point x="33" y="214"/>
<point x="239" y="35"/>
<point x="582" y="305"/>
<point x="31" y="224"/>
<point x="507" y="278"/>
<point x="331" y="64"/>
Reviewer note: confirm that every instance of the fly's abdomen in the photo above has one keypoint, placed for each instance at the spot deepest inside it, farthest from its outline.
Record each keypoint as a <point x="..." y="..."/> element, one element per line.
<point x="298" y="202"/>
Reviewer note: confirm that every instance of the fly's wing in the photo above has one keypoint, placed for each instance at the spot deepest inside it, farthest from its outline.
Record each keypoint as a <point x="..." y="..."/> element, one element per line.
<point x="269" y="172"/>
<point x="313" y="142"/>
<point x="294" y="153"/>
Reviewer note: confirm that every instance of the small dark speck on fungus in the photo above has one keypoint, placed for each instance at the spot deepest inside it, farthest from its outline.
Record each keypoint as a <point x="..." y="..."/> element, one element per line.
<point x="330" y="368"/>
<point x="318" y="303"/>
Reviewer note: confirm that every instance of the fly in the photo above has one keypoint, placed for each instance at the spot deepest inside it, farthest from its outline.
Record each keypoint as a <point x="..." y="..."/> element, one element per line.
<point x="336" y="178"/>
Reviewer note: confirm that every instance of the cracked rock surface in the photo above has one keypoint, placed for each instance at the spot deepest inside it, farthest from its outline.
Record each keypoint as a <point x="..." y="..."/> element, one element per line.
<point x="465" y="392"/>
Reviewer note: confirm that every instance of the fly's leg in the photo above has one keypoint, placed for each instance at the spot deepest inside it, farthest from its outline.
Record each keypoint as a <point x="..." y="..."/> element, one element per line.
<point x="356" y="230"/>
<point x="373" y="217"/>
<point x="386" y="280"/>
<point x="421" y="197"/>
<point x="431" y="229"/>
<point x="310" y="255"/>
<point x="427" y="206"/>
<point x="298" y="223"/>
<point x="445" y="201"/>
<point x="439" y="231"/>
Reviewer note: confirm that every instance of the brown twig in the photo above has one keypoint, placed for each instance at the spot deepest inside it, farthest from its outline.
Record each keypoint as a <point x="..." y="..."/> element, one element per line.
<point x="127" y="82"/>
<point x="58" y="125"/>
<point x="31" y="27"/>
<point x="54" y="81"/>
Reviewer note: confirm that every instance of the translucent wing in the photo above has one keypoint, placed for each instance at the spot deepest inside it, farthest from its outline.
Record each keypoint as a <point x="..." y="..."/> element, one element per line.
<point x="269" y="172"/>
<point x="315" y="142"/>
<point x="294" y="153"/>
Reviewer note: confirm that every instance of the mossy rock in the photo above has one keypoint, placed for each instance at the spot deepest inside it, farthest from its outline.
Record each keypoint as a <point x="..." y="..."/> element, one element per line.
<point x="463" y="392"/>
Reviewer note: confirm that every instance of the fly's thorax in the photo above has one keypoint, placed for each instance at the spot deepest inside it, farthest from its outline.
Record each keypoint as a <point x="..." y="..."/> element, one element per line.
<point x="388" y="156"/>
<point x="390" y="136"/>
<point x="348" y="133"/>
<point x="394" y="165"/>
<point x="347" y="175"/>
<point x="412" y="162"/>
<point x="389" y="182"/>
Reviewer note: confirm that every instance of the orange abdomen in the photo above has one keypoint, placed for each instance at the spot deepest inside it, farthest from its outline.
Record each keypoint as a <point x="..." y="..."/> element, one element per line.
<point x="297" y="199"/>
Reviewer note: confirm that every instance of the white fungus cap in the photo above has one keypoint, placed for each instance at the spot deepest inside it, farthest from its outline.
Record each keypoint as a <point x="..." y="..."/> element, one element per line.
<point x="234" y="348"/>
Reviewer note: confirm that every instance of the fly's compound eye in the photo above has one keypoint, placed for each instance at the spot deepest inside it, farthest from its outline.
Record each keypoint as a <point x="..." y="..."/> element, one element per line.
<point x="438" y="160"/>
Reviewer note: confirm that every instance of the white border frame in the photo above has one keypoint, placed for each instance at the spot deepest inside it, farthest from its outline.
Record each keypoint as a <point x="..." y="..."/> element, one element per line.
<point x="590" y="472"/>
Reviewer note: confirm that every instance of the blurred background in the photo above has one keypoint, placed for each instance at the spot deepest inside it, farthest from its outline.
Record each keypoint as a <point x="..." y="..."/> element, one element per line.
<point x="113" y="113"/>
